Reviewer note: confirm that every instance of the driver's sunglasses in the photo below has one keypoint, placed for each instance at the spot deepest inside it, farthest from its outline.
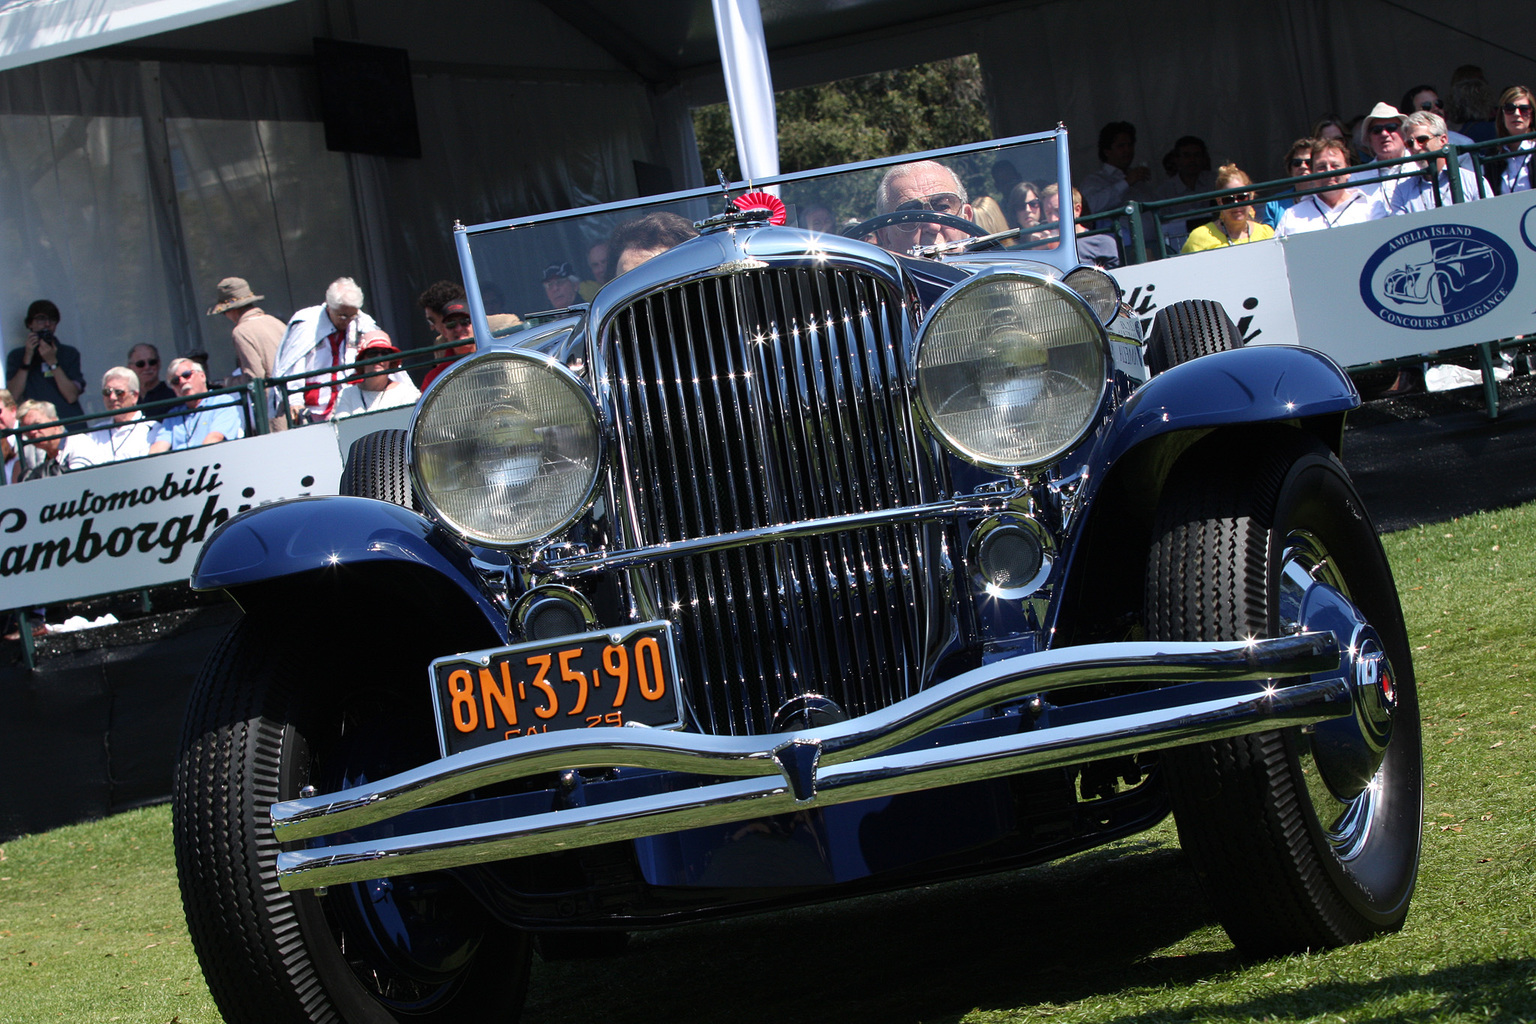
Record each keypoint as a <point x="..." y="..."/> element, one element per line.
<point x="939" y="202"/>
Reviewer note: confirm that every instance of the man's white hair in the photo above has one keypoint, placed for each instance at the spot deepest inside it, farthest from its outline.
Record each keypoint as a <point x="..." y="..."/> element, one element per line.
<point x="344" y="292"/>
<point x="885" y="202"/>
<point x="123" y="374"/>
<point x="1425" y="119"/>
<point x="182" y="361"/>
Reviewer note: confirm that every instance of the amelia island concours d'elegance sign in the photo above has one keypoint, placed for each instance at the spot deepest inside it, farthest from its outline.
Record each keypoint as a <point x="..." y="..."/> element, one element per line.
<point x="142" y="523"/>
<point x="1400" y="286"/>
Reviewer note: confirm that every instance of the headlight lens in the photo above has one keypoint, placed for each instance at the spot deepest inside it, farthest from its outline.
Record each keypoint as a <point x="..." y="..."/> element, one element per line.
<point x="1010" y="370"/>
<point x="1098" y="289"/>
<point x="506" y="448"/>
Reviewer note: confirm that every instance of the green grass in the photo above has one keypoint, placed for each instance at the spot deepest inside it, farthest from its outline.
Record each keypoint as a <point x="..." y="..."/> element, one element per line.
<point x="91" y="927"/>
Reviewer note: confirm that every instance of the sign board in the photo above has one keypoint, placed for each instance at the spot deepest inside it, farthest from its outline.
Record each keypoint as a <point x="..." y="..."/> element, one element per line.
<point x="141" y="523"/>
<point x="1404" y="286"/>
<point x="1384" y="289"/>
<point x="1249" y="280"/>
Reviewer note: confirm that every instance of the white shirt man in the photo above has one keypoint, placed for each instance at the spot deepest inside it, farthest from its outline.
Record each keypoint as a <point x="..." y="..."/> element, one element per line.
<point x="1426" y="133"/>
<point x="198" y="420"/>
<point x="1336" y="207"/>
<point x="320" y="337"/>
<point x="126" y="437"/>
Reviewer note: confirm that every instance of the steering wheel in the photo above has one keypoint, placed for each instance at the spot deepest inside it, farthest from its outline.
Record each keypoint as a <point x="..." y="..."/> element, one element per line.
<point x="883" y="220"/>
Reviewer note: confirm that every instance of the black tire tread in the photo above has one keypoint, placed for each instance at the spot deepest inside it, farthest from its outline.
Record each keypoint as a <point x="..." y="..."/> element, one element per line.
<point x="1241" y="818"/>
<point x="378" y="466"/>
<point x="1188" y="329"/>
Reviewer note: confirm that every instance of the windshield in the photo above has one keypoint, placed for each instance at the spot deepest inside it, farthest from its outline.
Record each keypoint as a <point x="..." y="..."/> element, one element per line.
<point x="516" y="269"/>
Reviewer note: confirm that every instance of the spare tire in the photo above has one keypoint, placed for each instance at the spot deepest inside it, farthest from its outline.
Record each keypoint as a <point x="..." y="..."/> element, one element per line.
<point x="378" y="466"/>
<point x="1187" y="330"/>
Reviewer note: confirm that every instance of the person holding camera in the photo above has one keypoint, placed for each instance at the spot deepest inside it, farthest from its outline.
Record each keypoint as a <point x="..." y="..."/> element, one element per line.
<point x="45" y="369"/>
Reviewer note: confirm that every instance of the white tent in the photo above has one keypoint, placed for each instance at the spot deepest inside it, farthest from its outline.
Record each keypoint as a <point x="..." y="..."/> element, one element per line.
<point x="149" y="149"/>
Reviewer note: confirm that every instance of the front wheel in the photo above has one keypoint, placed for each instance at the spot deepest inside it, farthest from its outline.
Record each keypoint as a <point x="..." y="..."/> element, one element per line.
<point x="1302" y="839"/>
<point x="264" y="722"/>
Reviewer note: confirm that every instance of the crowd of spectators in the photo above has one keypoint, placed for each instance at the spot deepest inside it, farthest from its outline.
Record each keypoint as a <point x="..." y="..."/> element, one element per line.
<point x="1420" y="125"/>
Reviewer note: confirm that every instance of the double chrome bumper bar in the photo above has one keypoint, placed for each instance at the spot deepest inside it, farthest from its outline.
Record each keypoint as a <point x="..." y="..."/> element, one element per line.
<point x="1193" y="692"/>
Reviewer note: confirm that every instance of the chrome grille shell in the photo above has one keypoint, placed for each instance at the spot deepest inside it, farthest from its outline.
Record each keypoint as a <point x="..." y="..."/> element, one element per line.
<point x="769" y="388"/>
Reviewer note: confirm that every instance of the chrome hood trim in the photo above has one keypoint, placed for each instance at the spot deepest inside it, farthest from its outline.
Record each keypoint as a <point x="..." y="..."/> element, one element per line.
<point x="1228" y="688"/>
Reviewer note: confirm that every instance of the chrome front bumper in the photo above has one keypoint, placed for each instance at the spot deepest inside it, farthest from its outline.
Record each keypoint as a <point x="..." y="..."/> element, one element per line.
<point x="1191" y="692"/>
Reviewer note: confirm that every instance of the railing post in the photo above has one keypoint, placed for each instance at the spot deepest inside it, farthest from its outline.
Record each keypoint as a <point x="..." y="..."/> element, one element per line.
<point x="259" y="416"/>
<point x="1453" y="172"/>
<point x="1138" y="233"/>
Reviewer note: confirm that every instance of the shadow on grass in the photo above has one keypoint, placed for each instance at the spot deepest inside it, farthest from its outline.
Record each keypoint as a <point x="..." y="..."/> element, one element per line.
<point x="1053" y="934"/>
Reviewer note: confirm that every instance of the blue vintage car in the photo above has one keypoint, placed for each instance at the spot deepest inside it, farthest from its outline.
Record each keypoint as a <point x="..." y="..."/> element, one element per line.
<point x="796" y="564"/>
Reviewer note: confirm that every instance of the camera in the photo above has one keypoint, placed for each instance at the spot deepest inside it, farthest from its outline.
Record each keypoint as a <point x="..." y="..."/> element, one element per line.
<point x="45" y="335"/>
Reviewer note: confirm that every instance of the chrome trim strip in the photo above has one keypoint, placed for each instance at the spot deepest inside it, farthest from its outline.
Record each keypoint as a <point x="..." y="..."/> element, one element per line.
<point x="1146" y="662"/>
<point x="1307" y="702"/>
<point x="937" y="511"/>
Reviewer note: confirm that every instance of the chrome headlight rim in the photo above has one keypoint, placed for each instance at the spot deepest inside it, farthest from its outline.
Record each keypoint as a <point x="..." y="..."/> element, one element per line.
<point x="1053" y="283"/>
<point x="443" y="385"/>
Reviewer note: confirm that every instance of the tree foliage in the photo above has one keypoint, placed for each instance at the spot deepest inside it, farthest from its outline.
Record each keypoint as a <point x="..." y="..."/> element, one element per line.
<point x="924" y="107"/>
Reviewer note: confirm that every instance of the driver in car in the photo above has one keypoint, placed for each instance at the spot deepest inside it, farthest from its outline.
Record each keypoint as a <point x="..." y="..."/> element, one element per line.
<point x="925" y="185"/>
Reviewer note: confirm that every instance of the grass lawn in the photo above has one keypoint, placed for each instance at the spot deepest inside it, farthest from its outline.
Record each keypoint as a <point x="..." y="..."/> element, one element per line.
<point x="91" y="927"/>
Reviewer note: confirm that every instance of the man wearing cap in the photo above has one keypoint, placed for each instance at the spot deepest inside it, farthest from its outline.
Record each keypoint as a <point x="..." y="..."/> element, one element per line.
<point x="561" y="285"/>
<point x="197" y="420"/>
<point x="377" y="357"/>
<point x="1380" y="133"/>
<point x="256" y="334"/>
<point x="318" y="338"/>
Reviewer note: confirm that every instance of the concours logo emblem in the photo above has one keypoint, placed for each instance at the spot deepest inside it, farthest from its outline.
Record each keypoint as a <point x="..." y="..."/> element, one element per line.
<point x="1440" y="276"/>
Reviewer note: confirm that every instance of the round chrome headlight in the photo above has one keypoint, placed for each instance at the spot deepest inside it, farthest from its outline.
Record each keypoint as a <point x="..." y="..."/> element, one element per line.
<point x="1099" y="290"/>
<point x="506" y="448"/>
<point x="1011" y="369"/>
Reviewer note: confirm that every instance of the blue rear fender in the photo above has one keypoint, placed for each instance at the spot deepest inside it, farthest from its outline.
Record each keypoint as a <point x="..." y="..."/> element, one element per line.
<point x="329" y="555"/>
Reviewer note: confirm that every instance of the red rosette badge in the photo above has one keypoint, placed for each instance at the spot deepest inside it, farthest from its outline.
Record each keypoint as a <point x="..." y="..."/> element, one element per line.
<point x="762" y="201"/>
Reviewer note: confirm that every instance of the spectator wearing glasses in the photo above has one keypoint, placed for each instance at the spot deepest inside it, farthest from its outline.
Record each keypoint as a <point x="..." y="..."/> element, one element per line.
<point x="1342" y="204"/>
<point x="1023" y="208"/>
<point x="43" y="368"/>
<point x="377" y="356"/>
<point x="1297" y="164"/>
<point x="144" y="358"/>
<point x="925" y="185"/>
<point x="1379" y="134"/>
<point x="317" y="338"/>
<point x="1236" y="222"/>
<point x="1512" y="173"/>
<point x="197" y="420"/>
<point x="1431" y="189"/>
<point x="125" y="437"/>
<point x="458" y="334"/>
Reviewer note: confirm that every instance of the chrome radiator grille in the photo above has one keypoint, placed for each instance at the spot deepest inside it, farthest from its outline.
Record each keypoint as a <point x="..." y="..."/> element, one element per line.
<point x="759" y="399"/>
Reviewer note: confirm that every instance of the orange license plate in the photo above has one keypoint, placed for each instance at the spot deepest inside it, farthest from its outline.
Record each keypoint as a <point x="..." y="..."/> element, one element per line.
<point x="607" y="678"/>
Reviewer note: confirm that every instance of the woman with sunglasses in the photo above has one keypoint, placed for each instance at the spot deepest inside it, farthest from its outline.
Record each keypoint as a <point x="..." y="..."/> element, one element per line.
<point x="1297" y="164"/>
<point x="1023" y="209"/>
<point x="1236" y="223"/>
<point x="1512" y="116"/>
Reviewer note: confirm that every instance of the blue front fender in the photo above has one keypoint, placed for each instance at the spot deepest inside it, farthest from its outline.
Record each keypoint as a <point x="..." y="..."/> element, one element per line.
<point x="324" y="549"/>
<point x="1260" y="384"/>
